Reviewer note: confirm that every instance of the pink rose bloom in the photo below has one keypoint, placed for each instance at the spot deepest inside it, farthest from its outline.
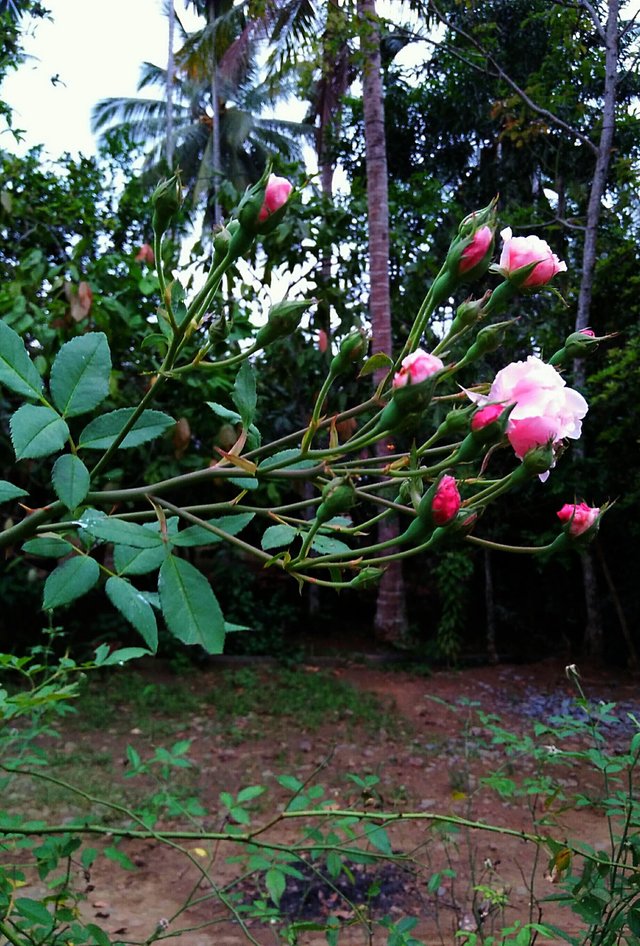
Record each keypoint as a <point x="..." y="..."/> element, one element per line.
<point x="416" y="367"/>
<point x="545" y="408"/>
<point x="486" y="415"/>
<point x="476" y="251"/>
<point x="446" y="501"/>
<point x="275" y="196"/>
<point x="581" y="517"/>
<point x="522" y="251"/>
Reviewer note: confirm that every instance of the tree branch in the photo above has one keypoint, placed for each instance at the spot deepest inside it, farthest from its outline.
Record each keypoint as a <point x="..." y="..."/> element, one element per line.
<point x="528" y="101"/>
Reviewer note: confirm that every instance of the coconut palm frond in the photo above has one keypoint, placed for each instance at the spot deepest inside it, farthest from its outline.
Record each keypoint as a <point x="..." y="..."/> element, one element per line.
<point x="129" y="111"/>
<point x="150" y="74"/>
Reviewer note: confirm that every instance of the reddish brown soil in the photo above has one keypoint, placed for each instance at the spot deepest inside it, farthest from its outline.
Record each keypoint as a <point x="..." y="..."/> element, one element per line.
<point x="433" y="767"/>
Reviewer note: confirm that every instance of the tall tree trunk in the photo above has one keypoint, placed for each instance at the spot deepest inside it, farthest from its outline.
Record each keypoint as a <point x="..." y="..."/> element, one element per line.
<point x="216" y="160"/>
<point x="390" y="620"/>
<point x="593" y="632"/>
<point x="171" y="71"/>
<point x="490" y="608"/>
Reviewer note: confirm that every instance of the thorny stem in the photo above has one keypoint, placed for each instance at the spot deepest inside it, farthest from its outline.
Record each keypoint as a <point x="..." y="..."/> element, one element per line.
<point x="383" y="818"/>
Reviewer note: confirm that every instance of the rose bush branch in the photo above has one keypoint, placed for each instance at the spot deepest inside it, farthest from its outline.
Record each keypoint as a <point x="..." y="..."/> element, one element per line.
<point x="439" y="480"/>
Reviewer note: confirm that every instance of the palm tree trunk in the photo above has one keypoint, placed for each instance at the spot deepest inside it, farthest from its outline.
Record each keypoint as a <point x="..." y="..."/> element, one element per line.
<point x="593" y="639"/>
<point x="216" y="160"/>
<point x="171" y="71"/>
<point x="390" y="619"/>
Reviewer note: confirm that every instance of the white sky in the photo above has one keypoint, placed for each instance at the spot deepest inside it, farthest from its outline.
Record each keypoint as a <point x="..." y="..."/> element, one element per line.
<point x="96" y="49"/>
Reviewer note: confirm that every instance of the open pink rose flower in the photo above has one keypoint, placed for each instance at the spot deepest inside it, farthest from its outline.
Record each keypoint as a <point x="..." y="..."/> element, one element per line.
<point x="545" y="408"/>
<point x="522" y="251"/>
<point x="580" y="516"/>
<point x="275" y="196"/>
<point x="416" y="367"/>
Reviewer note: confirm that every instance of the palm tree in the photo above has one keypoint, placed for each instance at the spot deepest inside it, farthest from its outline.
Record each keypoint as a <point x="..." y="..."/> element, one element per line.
<point x="391" y="618"/>
<point x="216" y="129"/>
<point x="295" y="29"/>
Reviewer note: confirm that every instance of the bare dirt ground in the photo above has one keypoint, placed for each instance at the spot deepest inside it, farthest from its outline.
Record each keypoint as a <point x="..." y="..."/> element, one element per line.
<point x="432" y="759"/>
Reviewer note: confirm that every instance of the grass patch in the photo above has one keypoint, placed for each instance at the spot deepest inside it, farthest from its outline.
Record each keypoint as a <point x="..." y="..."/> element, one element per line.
<point x="125" y="699"/>
<point x="312" y="699"/>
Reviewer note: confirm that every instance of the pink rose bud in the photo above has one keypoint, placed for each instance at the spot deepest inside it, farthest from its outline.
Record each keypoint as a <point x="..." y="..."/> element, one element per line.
<point x="579" y="516"/>
<point x="417" y="367"/>
<point x="518" y="252"/>
<point x="476" y="251"/>
<point x="446" y="501"/>
<point x="588" y="331"/>
<point x="145" y="254"/>
<point x="275" y="196"/>
<point x="486" y="415"/>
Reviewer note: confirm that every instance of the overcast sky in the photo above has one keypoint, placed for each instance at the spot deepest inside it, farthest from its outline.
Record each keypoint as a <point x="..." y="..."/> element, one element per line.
<point x="95" y="50"/>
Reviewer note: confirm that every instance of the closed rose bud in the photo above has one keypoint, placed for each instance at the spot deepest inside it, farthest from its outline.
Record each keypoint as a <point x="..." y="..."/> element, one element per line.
<point x="352" y="350"/>
<point x="276" y="196"/>
<point x="337" y="496"/>
<point x="446" y="502"/>
<point x="486" y="415"/>
<point x="528" y="261"/>
<point x="283" y="319"/>
<point x="579" y="517"/>
<point x="166" y="201"/>
<point x="577" y="345"/>
<point x="417" y="367"/>
<point x="477" y="252"/>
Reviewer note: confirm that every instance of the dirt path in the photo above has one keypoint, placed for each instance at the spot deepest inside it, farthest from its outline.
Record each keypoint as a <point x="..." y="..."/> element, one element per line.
<point x="433" y="760"/>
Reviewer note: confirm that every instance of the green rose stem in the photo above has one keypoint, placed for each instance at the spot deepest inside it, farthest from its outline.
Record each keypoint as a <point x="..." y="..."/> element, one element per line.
<point x="297" y="434"/>
<point x="143" y="832"/>
<point x="164" y="295"/>
<point x="29" y="524"/>
<point x="196" y="521"/>
<point x="165" y="370"/>
<point x="211" y="365"/>
<point x="384" y="818"/>
<point x="442" y="287"/>
<point x="501" y="547"/>
<point x="12" y="937"/>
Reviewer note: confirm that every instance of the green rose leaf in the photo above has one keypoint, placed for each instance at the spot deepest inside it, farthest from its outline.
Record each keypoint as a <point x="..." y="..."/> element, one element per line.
<point x="244" y="394"/>
<point x="102" y="432"/>
<point x="69" y="581"/>
<point x="136" y="561"/>
<point x="9" y="491"/>
<point x="121" y="532"/>
<point x="80" y="374"/>
<point x="275" y="537"/>
<point x="34" y="911"/>
<point x="376" y="363"/>
<point x="37" y="432"/>
<point x="135" y="609"/>
<point x="325" y="545"/>
<point x="276" y="883"/>
<point x="70" y="479"/>
<point x="198" y="535"/>
<point x="48" y="546"/>
<point x="190" y="607"/>
<point x="17" y="371"/>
